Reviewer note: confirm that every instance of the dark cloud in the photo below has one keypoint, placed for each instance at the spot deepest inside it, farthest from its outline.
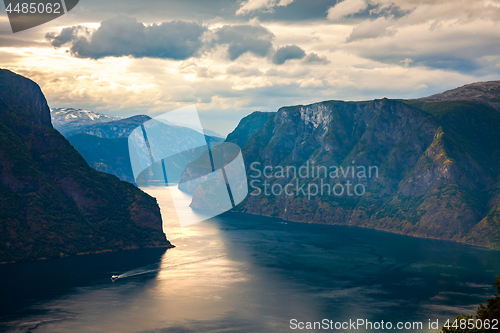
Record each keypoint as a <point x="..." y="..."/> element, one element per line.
<point x="458" y="63"/>
<point x="314" y="58"/>
<point x="65" y="36"/>
<point x="245" y="38"/>
<point x="298" y="10"/>
<point x="124" y="36"/>
<point x="179" y="40"/>
<point x="445" y="62"/>
<point x="287" y="53"/>
<point x="200" y="11"/>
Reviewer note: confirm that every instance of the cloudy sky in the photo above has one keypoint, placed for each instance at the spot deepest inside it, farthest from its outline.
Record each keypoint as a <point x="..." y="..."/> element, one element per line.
<point x="233" y="57"/>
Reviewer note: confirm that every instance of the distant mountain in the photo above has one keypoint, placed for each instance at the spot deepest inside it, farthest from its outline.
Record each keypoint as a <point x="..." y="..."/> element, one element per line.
<point x="104" y="145"/>
<point x="105" y="154"/>
<point x="112" y="129"/>
<point x="437" y="159"/>
<point x="212" y="133"/>
<point x="111" y="154"/>
<point x="480" y="92"/>
<point x="118" y="128"/>
<point x="51" y="202"/>
<point x="69" y="119"/>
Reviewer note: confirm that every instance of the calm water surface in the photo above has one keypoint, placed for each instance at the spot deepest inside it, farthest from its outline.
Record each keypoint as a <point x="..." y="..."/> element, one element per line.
<point x="241" y="273"/>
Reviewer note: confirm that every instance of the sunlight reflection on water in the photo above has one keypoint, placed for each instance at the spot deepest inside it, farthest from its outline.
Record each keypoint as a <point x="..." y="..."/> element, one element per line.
<point x="242" y="273"/>
<point x="172" y="211"/>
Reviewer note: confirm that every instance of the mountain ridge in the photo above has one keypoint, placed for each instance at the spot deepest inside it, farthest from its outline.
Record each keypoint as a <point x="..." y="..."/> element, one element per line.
<point x="483" y="92"/>
<point x="438" y="163"/>
<point x="52" y="203"/>
<point x="69" y="119"/>
<point x="111" y="129"/>
<point x="105" y="146"/>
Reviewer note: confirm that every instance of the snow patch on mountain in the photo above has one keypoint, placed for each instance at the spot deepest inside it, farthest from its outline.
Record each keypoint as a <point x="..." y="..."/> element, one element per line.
<point x="65" y="119"/>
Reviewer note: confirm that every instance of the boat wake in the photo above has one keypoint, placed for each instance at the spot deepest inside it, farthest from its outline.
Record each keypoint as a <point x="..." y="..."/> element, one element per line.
<point x="140" y="271"/>
<point x="152" y="269"/>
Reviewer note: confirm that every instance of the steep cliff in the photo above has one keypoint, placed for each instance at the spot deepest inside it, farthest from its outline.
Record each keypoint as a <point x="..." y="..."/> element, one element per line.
<point x="108" y="155"/>
<point x="437" y="164"/>
<point x="247" y="127"/>
<point x="51" y="202"/>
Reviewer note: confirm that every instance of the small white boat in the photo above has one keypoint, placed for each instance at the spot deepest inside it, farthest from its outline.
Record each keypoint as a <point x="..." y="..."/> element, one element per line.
<point x="114" y="277"/>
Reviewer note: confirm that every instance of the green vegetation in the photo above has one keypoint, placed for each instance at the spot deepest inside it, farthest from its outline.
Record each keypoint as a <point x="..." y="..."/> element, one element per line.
<point x="108" y="155"/>
<point x="484" y="314"/>
<point x="248" y="127"/>
<point x="51" y="202"/>
<point x="438" y="162"/>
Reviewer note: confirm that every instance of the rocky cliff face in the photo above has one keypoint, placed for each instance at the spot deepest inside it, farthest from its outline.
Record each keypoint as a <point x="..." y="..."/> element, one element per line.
<point x="247" y="127"/>
<point x="51" y="202"/>
<point x="31" y="100"/>
<point x="437" y="161"/>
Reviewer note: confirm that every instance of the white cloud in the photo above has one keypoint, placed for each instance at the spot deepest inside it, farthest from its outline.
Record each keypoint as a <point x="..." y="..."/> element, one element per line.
<point x="345" y="8"/>
<point x="450" y="46"/>
<point x="267" y="5"/>
<point x="404" y="49"/>
<point x="453" y="35"/>
<point x="372" y="29"/>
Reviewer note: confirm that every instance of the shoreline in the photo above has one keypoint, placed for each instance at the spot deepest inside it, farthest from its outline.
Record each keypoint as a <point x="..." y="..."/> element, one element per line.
<point x="367" y="227"/>
<point x="170" y="246"/>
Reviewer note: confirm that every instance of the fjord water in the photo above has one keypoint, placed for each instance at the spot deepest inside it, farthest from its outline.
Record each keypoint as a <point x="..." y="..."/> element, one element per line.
<point x="243" y="273"/>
